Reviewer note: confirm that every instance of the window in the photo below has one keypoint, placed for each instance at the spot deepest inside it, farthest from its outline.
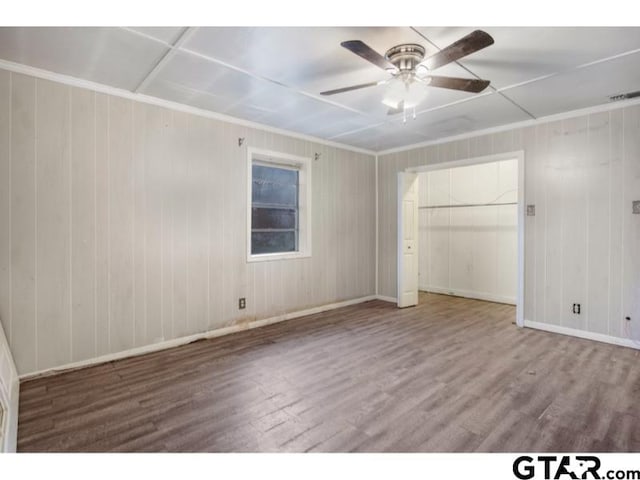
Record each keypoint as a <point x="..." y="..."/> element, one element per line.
<point x="279" y="201"/>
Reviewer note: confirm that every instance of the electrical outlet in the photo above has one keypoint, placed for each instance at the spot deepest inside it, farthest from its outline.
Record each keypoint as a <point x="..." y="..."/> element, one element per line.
<point x="531" y="210"/>
<point x="576" y="308"/>
<point x="635" y="207"/>
<point x="242" y="303"/>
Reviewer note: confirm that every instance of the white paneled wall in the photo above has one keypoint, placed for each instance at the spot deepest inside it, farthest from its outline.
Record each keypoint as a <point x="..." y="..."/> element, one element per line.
<point x="583" y="244"/>
<point x="123" y="225"/>
<point x="470" y="251"/>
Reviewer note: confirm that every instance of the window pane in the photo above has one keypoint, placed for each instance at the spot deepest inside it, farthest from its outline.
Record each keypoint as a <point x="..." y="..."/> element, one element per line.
<point x="274" y="186"/>
<point x="273" y="242"/>
<point x="273" y="218"/>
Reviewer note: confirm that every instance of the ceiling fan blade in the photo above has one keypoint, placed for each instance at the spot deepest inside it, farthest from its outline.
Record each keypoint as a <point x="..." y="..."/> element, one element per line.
<point x="365" y="51"/>
<point x="476" y="40"/>
<point x="353" y="87"/>
<point x="465" y="84"/>
<point x="398" y="109"/>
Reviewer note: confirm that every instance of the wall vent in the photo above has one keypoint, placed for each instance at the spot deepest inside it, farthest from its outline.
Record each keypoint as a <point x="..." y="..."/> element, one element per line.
<point x="624" y="96"/>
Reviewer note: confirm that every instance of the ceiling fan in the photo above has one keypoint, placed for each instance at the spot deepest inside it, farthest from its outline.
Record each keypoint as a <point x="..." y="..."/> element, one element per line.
<point x="410" y="71"/>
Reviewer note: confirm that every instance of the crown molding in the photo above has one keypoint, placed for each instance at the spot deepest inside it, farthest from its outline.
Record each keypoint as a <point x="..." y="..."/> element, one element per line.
<point x="106" y="89"/>
<point x="512" y="126"/>
<point x="119" y="92"/>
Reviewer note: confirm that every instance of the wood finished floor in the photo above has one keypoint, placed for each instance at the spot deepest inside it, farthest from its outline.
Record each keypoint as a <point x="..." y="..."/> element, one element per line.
<point x="450" y="375"/>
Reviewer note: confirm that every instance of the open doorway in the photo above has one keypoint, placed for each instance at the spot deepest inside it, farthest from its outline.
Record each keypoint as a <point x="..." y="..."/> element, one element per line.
<point x="461" y="230"/>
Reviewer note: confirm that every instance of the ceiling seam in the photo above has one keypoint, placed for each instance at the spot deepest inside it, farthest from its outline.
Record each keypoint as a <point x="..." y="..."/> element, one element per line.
<point x="275" y="82"/>
<point x="172" y="105"/>
<point x="356" y="130"/>
<point x="178" y="46"/>
<point x="478" y="77"/>
<point x="572" y="69"/>
<point x="267" y="79"/>
<point x="605" y="107"/>
<point x="173" y="48"/>
<point x="367" y="116"/>
<point x="146" y="35"/>
<point x="420" y="112"/>
<point x="503" y="95"/>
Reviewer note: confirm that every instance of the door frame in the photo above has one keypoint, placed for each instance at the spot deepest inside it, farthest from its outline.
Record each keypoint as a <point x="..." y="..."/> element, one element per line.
<point x="519" y="155"/>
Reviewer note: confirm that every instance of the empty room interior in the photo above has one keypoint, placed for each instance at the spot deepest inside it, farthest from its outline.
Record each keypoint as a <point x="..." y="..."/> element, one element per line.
<point x="319" y="239"/>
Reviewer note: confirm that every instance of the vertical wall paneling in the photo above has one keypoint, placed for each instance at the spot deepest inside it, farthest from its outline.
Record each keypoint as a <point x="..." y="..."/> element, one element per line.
<point x="23" y="222"/>
<point x="5" y="202"/>
<point x="9" y="384"/>
<point x="334" y="205"/>
<point x="153" y="241"/>
<point x="166" y="196"/>
<point x="553" y="281"/>
<point x="126" y="225"/>
<point x="101" y="185"/>
<point x="120" y="185"/>
<point x="571" y="159"/>
<point x="179" y="186"/>
<point x="534" y="197"/>
<point x="597" y="171"/>
<point x="53" y="215"/>
<point x="616" y="216"/>
<point x="83" y="231"/>
<point x="581" y="246"/>
<point x="216" y="232"/>
<point x="138" y="225"/>
<point x="631" y="225"/>
<point x="539" y="221"/>
<point x="197" y="226"/>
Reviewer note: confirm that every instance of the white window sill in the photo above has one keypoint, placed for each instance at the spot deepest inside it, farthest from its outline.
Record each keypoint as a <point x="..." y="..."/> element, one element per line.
<point x="267" y="257"/>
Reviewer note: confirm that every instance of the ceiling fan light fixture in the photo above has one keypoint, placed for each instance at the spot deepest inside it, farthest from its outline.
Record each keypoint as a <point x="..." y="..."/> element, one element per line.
<point x="403" y="91"/>
<point x="422" y="71"/>
<point x="391" y="103"/>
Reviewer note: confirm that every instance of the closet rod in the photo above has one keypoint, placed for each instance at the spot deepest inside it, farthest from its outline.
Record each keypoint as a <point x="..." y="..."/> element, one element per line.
<point x="470" y="205"/>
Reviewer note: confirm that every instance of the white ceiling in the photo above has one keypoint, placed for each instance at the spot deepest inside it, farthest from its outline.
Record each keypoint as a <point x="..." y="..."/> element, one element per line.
<point x="273" y="75"/>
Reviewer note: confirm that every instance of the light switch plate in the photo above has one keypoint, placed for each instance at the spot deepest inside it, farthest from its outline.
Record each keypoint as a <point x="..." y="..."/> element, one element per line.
<point x="531" y="210"/>
<point x="635" y="207"/>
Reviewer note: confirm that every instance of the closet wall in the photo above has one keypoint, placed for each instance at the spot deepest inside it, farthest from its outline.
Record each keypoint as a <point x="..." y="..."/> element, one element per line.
<point x="470" y="251"/>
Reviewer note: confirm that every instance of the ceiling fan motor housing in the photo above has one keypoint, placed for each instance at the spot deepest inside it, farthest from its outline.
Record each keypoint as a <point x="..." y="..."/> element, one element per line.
<point x="405" y="57"/>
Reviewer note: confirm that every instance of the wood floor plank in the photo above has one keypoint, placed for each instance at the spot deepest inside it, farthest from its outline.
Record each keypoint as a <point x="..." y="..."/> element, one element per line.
<point x="451" y="374"/>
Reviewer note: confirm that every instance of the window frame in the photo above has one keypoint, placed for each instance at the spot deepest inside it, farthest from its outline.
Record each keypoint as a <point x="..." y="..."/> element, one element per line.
<point x="303" y="166"/>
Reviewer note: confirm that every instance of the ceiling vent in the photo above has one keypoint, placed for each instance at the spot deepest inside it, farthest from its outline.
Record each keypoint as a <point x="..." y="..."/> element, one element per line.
<point x="624" y="96"/>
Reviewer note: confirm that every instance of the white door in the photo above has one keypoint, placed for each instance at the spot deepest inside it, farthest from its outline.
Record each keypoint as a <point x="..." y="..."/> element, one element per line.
<point x="407" y="239"/>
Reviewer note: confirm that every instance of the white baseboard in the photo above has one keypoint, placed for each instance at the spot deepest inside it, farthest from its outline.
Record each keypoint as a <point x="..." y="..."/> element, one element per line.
<point x="598" y="337"/>
<point x="468" y="294"/>
<point x="176" y="342"/>
<point x="387" y="299"/>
